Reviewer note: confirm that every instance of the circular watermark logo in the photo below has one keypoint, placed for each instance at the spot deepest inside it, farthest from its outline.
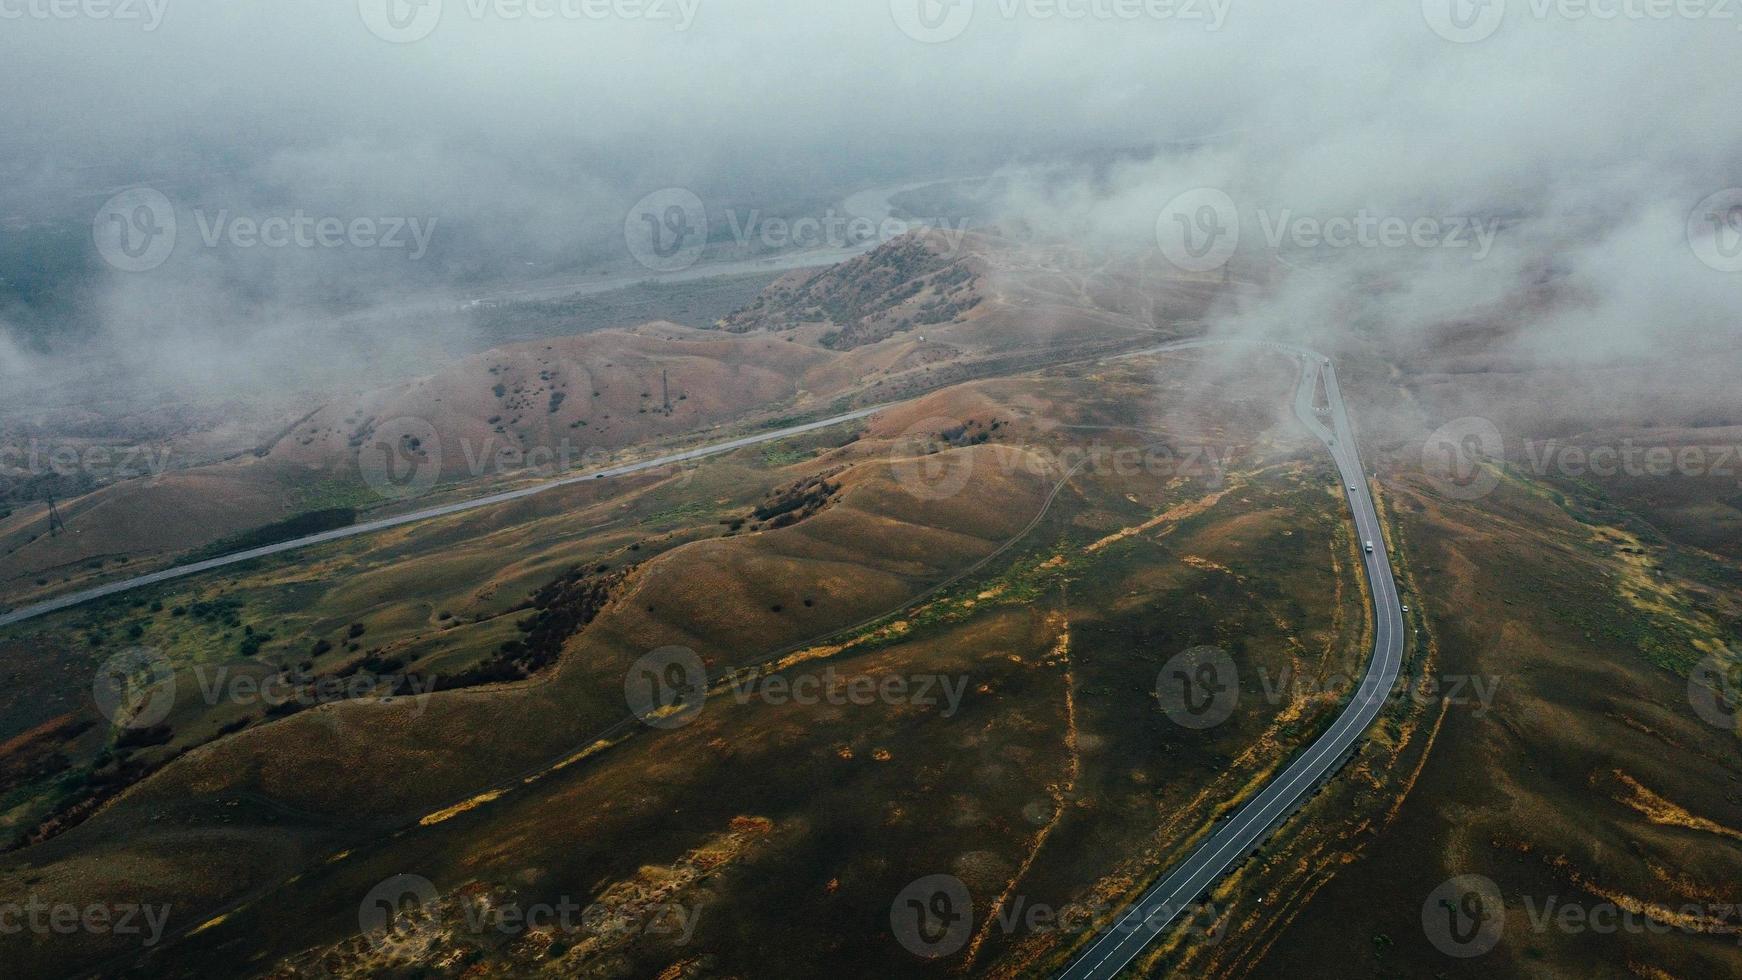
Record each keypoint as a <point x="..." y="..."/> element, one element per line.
<point x="932" y="21"/>
<point x="1465" y="916"/>
<point x="1453" y="457"/>
<point x="922" y="470"/>
<point x="933" y="917"/>
<point x="1199" y="230"/>
<point x="400" y="21"/>
<point x="667" y="230"/>
<point x="1464" y="21"/>
<point x="401" y="458"/>
<point x="1715" y="230"/>
<point x="1199" y="687"/>
<point x="135" y="688"/>
<point x="667" y="688"/>
<point x="399" y="909"/>
<point x="1715" y="691"/>
<point x="134" y="231"/>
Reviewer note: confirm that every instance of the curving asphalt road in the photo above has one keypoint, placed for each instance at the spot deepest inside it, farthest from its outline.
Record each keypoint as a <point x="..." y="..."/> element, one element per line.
<point x="183" y="571"/>
<point x="24" y="613"/>
<point x="1123" y="940"/>
<point x="1127" y="936"/>
<point x="874" y="204"/>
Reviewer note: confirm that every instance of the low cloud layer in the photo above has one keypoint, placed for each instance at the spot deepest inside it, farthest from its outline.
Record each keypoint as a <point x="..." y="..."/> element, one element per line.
<point x="524" y="131"/>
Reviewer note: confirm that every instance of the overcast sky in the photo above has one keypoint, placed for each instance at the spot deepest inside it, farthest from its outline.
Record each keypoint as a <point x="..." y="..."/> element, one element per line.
<point x="531" y="125"/>
<point x="1340" y="98"/>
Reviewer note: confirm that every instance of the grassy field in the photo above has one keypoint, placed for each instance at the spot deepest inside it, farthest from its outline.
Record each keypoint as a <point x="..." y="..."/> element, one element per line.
<point x="1591" y="782"/>
<point x="1013" y="631"/>
<point x="1051" y="778"/>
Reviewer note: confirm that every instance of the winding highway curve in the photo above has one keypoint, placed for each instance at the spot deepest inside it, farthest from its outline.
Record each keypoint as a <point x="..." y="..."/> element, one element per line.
<point x="1122" y="941"/>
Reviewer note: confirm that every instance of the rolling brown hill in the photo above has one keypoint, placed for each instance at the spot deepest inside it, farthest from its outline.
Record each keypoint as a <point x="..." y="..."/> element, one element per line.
<point x="813" y="342"/>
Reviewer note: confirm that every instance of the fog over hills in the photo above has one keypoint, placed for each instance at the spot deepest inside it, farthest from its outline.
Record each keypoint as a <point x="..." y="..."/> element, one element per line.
<point x="525" y="140"/>
<point x="919" y="488"/>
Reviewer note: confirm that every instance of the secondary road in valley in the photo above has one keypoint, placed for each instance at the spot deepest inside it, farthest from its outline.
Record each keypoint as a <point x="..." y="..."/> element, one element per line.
<point x="875" y="205"/>
<point x="71" y="599"/>
<point x="183" y="571"/>
<point x="1151" y="915"/>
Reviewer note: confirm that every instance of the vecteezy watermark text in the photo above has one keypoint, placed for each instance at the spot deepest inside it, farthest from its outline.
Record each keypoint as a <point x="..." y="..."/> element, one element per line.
<point x="832" y="229"/>
<point x="406" y="21"/>
<point x="1465" y="917"/>
<point x="1470" y="21"/>
<point x="406" y="457"/>
<point x="937" y="21"/>
<point x="44" y="918"/>
<point x="1627" y="458"/>
<point x="1714" y="230"/>
<point x="222" y="685"/>
<point x="923" y="467"/>
<point x="1369" y="229"/>
<point x="831" y="687"/>
<point x="1200" y="230"/>
<point x="35" y="458"/>
<point x="1715" y="690"/>
<point x="668" y="687"/>
<point x="137" y="230"/>
<point x="148" y="14"/>
<point x="302" y="230"/>
<point x="933" y="917"/>
<point x="137" y="688"/>
<point x="409" y="905"/>
<point x="669" y="229"/>
<point x="1463" y="457"/>
<point x="1200" y="688"/>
